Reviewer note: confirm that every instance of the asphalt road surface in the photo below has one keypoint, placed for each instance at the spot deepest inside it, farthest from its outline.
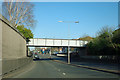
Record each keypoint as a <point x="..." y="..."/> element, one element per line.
<point x="46" y="68"/>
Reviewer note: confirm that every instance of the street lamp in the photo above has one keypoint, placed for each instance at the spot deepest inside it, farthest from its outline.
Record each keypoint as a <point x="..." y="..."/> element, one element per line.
<point x="68" y="36"/>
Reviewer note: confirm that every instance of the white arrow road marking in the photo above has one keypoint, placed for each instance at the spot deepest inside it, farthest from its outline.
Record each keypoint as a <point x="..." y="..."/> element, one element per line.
<point x="64" y="73"/>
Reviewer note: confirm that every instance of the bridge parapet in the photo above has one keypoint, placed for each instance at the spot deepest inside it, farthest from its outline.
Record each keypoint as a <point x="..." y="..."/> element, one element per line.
<point x="56" y="42"/>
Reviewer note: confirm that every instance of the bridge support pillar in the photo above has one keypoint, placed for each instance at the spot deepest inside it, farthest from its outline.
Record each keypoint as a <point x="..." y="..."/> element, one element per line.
<point x="50" y="52"/>
<point x="68" y="55"/>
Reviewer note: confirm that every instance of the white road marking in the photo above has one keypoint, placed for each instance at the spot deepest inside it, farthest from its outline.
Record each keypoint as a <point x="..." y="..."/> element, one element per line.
<point x="64" y="73"/>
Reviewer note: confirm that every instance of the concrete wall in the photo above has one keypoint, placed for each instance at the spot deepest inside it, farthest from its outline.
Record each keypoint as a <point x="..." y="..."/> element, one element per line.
<point x="13" y="48"/>
<point x="0" y="50"/>
<point x="101" y="57"/>
<point x="82" y="51"/>
<point x="83" y="54"/>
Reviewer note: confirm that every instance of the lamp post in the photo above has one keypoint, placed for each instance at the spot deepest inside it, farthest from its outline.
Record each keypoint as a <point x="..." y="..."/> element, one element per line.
<point x="68" y="37"/>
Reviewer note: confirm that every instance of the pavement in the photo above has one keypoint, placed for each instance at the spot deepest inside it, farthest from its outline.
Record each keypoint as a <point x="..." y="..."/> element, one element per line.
<point x="95" y="65"/>
<point x="90" y="64"/>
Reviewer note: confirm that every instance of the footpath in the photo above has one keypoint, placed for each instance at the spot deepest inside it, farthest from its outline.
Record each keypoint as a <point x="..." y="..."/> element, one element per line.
<point x="92" y="64"/>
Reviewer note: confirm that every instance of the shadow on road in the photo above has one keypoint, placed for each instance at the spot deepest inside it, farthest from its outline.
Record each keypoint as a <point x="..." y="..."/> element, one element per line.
<point x="47" y="59"/>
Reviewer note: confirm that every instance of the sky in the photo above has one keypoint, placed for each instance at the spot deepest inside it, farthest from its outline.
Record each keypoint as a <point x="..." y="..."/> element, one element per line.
<point x="63" y="0"/>
<point x="92" y="16"/>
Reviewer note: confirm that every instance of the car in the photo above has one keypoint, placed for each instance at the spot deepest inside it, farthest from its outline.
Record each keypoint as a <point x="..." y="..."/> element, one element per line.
<point x="55" y="53"/>
<point x="36" y="56"/>
<point x="62" y="54"/>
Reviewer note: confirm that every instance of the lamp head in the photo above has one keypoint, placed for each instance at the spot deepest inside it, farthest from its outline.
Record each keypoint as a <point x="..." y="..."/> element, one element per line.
<point x="76" y="21"/>
<point x="60" y="21"/>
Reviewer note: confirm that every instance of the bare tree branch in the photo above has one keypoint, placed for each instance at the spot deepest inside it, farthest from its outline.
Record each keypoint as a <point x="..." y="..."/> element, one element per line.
<point x="18" y="12"/>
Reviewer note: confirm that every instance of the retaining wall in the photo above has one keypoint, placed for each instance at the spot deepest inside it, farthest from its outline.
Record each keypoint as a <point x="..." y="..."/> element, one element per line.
<point x="111" y="59"/>
<point x="0" y="49"/>
<point x="13" y="48"/>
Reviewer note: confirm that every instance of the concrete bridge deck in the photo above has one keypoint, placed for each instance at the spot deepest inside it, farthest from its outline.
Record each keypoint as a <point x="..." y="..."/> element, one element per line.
<point x="56" y="42"/>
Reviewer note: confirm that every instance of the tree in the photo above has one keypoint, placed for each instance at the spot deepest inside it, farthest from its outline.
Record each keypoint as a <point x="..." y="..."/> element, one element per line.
<point x="106" y="33"/>
<point x="116" y="36"/>
<point x="116" y="39"/>
<point x="18" y="13"/>
<point x="25" y="32"/>
<point x="97" y="46"/>
<point x="103" y="44"/>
